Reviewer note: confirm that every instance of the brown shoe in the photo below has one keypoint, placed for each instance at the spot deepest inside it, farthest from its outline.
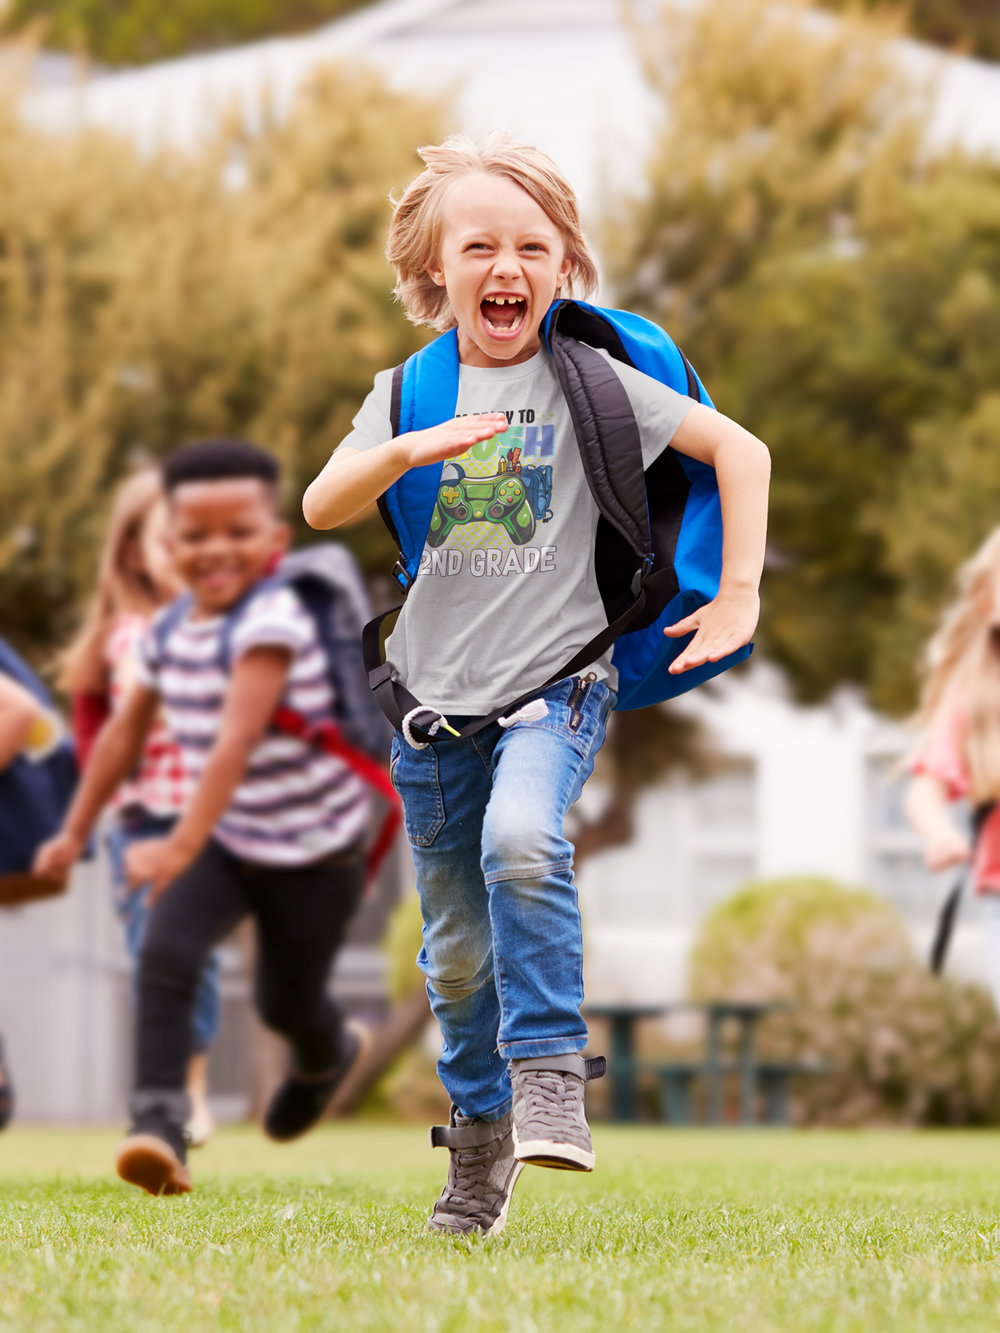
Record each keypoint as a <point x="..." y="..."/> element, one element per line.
<point x="151" y="1161"/>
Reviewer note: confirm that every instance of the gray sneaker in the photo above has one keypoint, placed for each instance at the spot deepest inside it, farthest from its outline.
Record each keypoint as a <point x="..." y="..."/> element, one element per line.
<point x="482" y="1174"/>
<point x="550" y="1127"/>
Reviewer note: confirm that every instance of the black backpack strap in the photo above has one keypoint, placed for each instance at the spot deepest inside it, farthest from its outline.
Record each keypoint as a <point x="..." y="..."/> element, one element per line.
<point x="608" y="437"/>
<point x="397" y="702"/>
<point x="168" y="620"/>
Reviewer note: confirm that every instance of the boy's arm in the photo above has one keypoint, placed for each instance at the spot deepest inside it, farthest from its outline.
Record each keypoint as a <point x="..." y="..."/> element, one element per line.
<point x="354" y="478"/>
<point x="255" y="688"/>
<point x="116" y="752"/>
<point x="743" y="467"/>
<point x="926" y="804"/>
<point x="18" y="710"/>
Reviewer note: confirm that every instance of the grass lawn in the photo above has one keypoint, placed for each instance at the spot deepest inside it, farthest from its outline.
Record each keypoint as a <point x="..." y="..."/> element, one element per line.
<point x="683" y="1230"/>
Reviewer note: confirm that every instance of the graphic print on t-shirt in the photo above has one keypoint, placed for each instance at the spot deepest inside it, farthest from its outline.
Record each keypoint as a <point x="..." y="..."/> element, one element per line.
<point x="494" y="500"/>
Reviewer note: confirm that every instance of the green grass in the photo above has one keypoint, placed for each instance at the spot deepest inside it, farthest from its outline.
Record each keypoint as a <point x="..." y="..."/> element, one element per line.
<point x="680" y="1231"/>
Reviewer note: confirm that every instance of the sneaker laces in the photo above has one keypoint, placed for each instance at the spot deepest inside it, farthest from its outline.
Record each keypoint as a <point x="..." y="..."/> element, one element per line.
<point x="547" y="1092"/>
<point x="468" y="1187"/>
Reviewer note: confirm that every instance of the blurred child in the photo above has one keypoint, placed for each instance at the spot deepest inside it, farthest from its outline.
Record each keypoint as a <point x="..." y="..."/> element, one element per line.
<point x="483" y="242"/>
<point x="137" y="576"/>
<point x="958" y="752"/>
<point x="273" y="826"/>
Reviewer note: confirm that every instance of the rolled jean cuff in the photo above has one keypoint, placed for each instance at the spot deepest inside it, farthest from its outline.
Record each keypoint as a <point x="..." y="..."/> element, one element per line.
<point x="537" y="870"/>
<point x="491" y="1116"/>
<point x="531" y="1050"/>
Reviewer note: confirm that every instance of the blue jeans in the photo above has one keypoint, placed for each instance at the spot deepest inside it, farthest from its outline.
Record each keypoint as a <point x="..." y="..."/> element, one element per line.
<point x="502" y="939"/>
<point x="133" y="910"/>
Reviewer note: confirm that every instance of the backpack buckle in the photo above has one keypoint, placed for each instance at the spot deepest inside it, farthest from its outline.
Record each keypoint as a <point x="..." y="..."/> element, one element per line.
<point x="401" y="576"/>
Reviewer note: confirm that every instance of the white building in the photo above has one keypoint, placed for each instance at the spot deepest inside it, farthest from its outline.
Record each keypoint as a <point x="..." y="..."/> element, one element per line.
<point x="804" y="789"/>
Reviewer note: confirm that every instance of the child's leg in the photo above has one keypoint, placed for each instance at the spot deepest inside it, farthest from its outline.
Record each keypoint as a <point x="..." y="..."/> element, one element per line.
<point x="445" y="790"/>
<point x="539" y="771"/>
<point x="133" y="910"/>
<point x="204" y="1025"/>
<point x="198" y="910"/>
<point x="302" y="913"/>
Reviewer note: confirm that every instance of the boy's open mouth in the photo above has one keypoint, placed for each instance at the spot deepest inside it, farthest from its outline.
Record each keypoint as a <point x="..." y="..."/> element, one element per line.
<point x="503" y="314"/>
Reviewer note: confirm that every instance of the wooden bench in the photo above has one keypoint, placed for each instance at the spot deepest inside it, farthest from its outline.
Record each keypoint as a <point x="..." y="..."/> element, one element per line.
<point x="677" y="1078"/>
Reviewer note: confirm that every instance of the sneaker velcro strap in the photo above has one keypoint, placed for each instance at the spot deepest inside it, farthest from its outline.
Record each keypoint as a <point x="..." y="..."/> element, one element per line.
<point x="463" y="1136"/>
<point x="584" y="1069"/>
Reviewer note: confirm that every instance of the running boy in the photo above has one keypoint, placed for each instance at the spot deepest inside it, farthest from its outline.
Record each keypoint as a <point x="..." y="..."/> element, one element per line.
<point x="273" y="828"/>
<point x="485" y="239"/>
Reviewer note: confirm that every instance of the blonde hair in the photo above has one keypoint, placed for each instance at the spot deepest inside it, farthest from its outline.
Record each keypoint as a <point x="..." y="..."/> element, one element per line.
<point x="121" y="587"/>
<point x="418" y="217"/>
<point x="965" y="654"/>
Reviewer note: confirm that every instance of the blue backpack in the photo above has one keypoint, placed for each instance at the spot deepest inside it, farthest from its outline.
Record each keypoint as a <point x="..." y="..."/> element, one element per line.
<point x="35" y="792"/>
<point x="658" y="551"/>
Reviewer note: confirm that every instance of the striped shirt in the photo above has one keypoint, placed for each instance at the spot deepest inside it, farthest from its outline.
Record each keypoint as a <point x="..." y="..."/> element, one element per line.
<point x="295" y="803"/>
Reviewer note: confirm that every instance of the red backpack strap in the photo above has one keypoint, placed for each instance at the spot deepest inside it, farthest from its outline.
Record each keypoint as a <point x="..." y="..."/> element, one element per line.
<point x="327" y="736"/>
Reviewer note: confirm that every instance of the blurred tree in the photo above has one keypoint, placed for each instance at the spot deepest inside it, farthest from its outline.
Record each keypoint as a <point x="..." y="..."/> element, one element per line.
<point x="146" y="302"/>
<point x="134" y="32"/>
<point x="971" y="26"/>
<point x="838" y="290"/>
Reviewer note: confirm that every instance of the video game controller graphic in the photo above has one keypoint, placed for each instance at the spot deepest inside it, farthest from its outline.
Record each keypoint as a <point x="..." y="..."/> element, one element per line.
<point x="501" y="499"/>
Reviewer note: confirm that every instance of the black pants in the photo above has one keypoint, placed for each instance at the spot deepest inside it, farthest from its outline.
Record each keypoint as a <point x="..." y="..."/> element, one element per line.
<point x="301" y="916"/>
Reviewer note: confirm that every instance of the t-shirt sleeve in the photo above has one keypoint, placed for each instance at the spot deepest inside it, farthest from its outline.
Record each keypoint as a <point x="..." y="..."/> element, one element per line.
<point x="275" y="619"/>
<point x="373" y="424"/>
<point x="658" y="409"/>
<point x="941" y="753"/>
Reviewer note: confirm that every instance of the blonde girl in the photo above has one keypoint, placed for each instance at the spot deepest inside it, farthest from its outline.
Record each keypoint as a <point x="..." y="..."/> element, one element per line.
<point x="136" y="577"/>
<point x="958" y="751"/>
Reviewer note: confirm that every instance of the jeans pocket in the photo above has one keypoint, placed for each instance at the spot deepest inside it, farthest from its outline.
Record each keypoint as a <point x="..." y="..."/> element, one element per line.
<point x="415" y="776"/>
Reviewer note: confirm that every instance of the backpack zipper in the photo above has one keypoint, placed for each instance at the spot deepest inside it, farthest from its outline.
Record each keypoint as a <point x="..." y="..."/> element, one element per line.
<point x="583" y="684"/>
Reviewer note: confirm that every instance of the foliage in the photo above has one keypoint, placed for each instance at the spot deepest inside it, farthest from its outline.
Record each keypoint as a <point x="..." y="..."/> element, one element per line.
<point x="644" y="746"/>
<point x="146" y="302"/>
<point x="839" y="291"/>
<point x="900" y="1045"/>
<point x="966" y="25"/>
<point x="132" y="32"/>
<point x="704" y="1231"/>
<point x="402" y="942"/>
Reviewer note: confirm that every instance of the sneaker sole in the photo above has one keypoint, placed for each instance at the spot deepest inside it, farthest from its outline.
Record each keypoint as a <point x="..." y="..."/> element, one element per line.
<point x="501" y="1221"/>
<point x="555" y="1156"/>
<point x="148" y="1162"/>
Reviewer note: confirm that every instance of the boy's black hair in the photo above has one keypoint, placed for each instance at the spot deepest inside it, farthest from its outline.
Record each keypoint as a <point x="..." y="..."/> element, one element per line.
<point x="219" y="460"/>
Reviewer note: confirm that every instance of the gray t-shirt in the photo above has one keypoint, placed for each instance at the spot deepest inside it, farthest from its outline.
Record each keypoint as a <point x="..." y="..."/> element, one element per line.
<point x="507" y="590"/>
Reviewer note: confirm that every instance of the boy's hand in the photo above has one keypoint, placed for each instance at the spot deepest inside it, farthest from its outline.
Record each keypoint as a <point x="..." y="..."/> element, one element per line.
<point x="420" y="447"/>
<point x="156" y="862"/>
<point x="57" y="857"/>
<point x="723" y="625"/>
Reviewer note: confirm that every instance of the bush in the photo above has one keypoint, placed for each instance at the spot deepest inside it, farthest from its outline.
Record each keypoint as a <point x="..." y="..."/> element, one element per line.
<point x="899" y="1045"/>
